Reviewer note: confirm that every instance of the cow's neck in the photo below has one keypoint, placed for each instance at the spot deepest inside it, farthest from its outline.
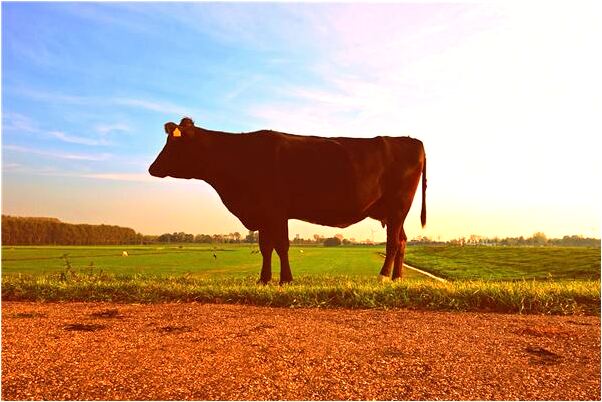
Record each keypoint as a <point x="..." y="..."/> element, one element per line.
<point x="230" y="171"/>
<point x="220" y="158"/>
<point x="225" y="166"/>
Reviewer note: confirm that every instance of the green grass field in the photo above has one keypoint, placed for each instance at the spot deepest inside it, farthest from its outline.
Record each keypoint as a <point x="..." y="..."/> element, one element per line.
<point x="507" y="263"/>
<point x="527" y="280"/>
<point x="231" y="261"/>
<point x="484" y="263"/>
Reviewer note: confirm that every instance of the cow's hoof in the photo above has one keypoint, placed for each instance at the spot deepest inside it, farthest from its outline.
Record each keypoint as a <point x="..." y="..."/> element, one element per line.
<point x="382" y="278"/>
<point x="263" y="281"/>
<point x="285" y="282"/>
<point x="397" y="279"/>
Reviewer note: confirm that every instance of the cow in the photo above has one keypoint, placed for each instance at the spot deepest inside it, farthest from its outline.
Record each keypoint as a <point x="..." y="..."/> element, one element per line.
<point x="267" y="177"/>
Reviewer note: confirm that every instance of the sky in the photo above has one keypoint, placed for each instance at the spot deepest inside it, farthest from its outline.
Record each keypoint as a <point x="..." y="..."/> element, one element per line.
<point x="506" y="97"/>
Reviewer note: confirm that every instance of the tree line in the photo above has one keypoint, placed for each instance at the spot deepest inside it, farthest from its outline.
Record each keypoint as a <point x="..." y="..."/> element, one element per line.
<point x="538" y="239"/>
<point x="181" y="237"/>
<point x="251" y="237"/>
<point x="40" y="231"/>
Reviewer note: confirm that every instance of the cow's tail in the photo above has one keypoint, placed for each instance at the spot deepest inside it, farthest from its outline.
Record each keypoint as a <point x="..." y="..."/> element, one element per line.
<point x="423" y="211"/>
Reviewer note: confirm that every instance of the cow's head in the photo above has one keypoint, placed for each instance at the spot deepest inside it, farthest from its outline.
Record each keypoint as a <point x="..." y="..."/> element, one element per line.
<point x="181" y="154"/>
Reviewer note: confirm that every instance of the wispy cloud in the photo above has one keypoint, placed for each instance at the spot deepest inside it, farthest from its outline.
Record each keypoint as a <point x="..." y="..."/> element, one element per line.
<point x="19" y="123"/>
<point x="12" y="121"/>
<point x="11" y="166"/>
<point x="240" y="23"/>
<point x="46" y="96"/>
<point x="58" y="154"/>
<point x="114" y="176"/>
<point x="31" y="170"/>
<point x="104" y="129"/>
<point x="142" y="177"/>
<point x="123" y="15"/>
<point x="134" y="102"/>
<point x="243" y="86"/>
<point x="135" y="177"/>
<point x="154" y="106"/>
<point x="346" y="106"/>
<point x="73" y="139"/>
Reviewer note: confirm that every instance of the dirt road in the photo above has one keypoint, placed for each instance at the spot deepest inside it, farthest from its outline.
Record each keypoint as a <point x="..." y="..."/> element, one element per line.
<point x="227" y="352"/>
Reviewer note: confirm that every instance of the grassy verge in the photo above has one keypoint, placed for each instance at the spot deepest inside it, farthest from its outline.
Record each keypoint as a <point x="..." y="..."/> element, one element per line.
<point x="329" y="291"/>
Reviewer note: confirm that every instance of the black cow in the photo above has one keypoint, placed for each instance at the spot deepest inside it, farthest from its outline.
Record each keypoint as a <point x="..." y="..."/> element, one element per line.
<point x="266" y="178"/>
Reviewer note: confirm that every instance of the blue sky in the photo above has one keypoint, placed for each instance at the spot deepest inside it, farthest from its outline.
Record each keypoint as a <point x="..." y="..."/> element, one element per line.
<point x="504" y="96"/>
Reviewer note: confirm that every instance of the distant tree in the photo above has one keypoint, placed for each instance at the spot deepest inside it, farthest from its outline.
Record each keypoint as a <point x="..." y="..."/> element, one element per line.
<point x="474" y="239"/>
<point x="332" y="242"/>
<point x="148" y="239"/>
<point x="539" y="239"/>
<point x="576" y="241"/>
<point x="165" y="238"/>
<point x="202" y="238"/>
<point x="251" y="237"/>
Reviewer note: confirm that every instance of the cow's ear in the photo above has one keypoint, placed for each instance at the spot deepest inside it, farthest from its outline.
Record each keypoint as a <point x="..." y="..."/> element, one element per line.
<point x="186" y="122"/>
<point x="172" y="130"/>
<point x="187" y="127"/>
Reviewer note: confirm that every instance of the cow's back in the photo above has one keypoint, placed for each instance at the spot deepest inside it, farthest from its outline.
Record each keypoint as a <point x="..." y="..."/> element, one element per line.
<point x="335" y="181"/>
<point x="318" y="178"/>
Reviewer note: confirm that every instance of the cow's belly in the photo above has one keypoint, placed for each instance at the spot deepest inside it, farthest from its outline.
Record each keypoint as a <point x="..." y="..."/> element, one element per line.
<point x="329" y="218"/>
<point x="331" y="210"/>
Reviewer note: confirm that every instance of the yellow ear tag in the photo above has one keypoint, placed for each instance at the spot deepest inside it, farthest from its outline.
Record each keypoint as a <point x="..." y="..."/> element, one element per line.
<point x="176" y="132"/>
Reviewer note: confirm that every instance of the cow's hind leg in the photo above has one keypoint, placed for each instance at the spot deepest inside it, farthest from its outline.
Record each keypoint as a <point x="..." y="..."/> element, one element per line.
<point x="281" y="243"/>
<point x="398" y="270"/>
<point x="266" y="246"/>
<point x="393" y="229"/>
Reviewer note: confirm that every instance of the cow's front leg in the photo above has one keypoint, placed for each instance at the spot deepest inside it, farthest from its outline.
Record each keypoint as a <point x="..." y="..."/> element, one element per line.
<point x="281" y="243"/>
<point x="266" y="246"/>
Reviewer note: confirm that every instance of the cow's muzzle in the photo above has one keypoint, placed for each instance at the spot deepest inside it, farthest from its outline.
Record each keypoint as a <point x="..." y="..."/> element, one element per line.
<point x="154" y="171"/>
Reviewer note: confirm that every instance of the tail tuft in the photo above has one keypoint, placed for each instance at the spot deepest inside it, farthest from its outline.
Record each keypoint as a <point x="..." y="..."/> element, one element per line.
<point x="423" y="211"/>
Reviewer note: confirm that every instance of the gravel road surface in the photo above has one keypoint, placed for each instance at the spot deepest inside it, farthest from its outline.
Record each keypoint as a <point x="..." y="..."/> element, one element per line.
<point x="187" y="351"/>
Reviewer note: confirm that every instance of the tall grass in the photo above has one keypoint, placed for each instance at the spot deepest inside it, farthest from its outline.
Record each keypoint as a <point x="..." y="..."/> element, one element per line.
<point x="328" y="291"/>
